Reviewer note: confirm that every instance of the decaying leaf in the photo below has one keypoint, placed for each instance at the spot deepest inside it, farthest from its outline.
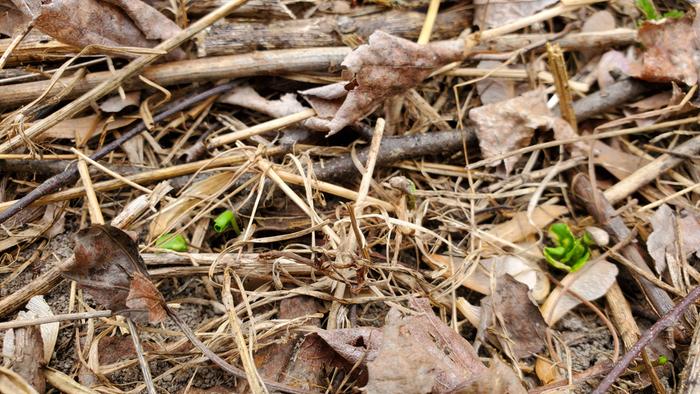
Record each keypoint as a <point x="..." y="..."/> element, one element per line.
<point x="420" y="354"/>
<point x="521" y="270"/>
<point x="11" y="20"/>
<point x="493" y="90"/>
<point x="116" y="103"/>
<point x="670" y="51"/>
<point x="143" y="295"/>
<point x="513" y="317"/>
<point x="493" y="13"/>
<point x="520" y="226"/>
<point x="612" y="66"/>
<point x="246" y="97"/>
<point x="354" y="344"/>
<point x="499" y="378"/>
<point x="112" y="23"/>
<point x="590" y="282"/>
<point x="23" y="350"/>
<point x="385" y="67"/>
<point x="509" y="125"/>
<point x="106" y="262"/>
<point x="663" y="241"/>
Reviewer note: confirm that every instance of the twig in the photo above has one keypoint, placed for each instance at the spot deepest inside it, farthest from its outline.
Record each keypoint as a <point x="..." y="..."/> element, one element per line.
<point x="52" y="319"/>
<point x="70" y="174"/>
<point x="143" y="363"/>
<point x="666" y="321"/>
<point x="116" y="79"/>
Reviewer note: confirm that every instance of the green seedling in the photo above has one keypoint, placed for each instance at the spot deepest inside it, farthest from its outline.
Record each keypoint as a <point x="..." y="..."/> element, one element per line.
<point x="225" y="221"/>
<point x="662" y="360"/>
<point x="650" y="12"/>
<point x="568" y="253"/>
<point x="171" y="241"/>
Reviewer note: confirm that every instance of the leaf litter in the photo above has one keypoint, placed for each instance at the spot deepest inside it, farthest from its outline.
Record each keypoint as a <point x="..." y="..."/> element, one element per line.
<point x="402" y="254"/>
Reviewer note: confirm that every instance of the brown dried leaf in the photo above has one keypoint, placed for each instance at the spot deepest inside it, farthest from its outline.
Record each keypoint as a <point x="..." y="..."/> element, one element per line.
<point x="117" y="103"/>
<point x="11" y="20"/>
<point x="385" y="67"/>
<point x="143" y="295"/>
<point x="420" y="354"/>
<point x="662" y="243"/>
<point x="247" y="97"/>
<point x="513" y="317"/>
<point x="590" y="282"/>
<point x="509" y="125"/>
<point x="493" y="13"/>
<point x="493" y="90"/>
<point x="23" y="349"/>
<point x="354" y="344"/>
<point x="106" y="260"/>
<point x="85" y="22"/>
<point x="612" y="62"/>
<point x="671" y="51"/>
<point x="499" y="378"/>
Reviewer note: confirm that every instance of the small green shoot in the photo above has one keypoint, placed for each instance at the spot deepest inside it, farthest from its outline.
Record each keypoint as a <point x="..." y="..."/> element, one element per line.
<point x="171" y="241"/>
<point x="662" y="360"/>
<point x="226" y="220"/>
<point x="568" y="253"/>
<point x="650" y="12"/>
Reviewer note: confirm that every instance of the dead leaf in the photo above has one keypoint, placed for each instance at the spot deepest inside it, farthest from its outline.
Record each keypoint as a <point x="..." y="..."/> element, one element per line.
<point x="612" y="65"/>
<point x="354" y="344"/>
<point x="662" y="242"/>
<point x="117" y="103"/>
<point x="493" y="90"/>
<point x="670" y="51"/>
<point x="37" y="307"/>
<point x="143" y="295"/>
<point x="599" y="21"/>
<point x="247" y="97"/>
<point x="86" y="22"/>
<point x="520" y="227"/>
<point x="509" y="125"/>
<point x="513" y="317"/>
<point x="420" y="354"/>
<point x="106" y="260"/>
<point x="499" y="378"/>
<point x="590" y="282"/>
<point x="23" y="349"/>
<point x="494" y="13"/>
<point x="11" y="20"/>
<point x="84" y="127"/>
<point x="480" y="278"/>
<point x="385" y="67"/>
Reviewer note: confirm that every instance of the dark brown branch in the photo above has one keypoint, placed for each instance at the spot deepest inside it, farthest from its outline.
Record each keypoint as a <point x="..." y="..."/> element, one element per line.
<point x="229" y="37"/>
<point x="667" y="320"/>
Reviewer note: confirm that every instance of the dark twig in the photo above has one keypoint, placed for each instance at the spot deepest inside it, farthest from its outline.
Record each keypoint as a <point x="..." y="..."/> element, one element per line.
<point x="70" y="174"/>
<point x="668" y="320"/>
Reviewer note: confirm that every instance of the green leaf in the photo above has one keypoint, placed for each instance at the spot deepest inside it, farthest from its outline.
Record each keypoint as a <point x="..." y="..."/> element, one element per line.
<point x="226" y="220"/>
<point x="174" y="242"/>
<point x="648" y="9"/>
<point x="662" y="360"/>
<point x="674" y="14"/>
<point x="568" y="253"/>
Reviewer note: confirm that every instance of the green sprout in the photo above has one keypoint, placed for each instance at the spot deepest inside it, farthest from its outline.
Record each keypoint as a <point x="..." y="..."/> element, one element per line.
<point x="662" y="360"/>
<point x="651" y="13"/>
<point x="226" y="220"/>
<point x="569" y="253"/>
<point x="171" y="241"/>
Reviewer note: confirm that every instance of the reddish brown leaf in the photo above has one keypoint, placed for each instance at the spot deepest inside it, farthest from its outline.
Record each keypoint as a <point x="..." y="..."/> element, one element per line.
<point x="84" y="22"/>
<point x="385" y="67"/>
<point x="499" y="378"/>
<point x="354" y="344"/>
<point x="513" y="317"/>
<point x="106" y="260"/>
<point x="143" y="295"/>
<point x="11" y="20"/>
<point x="421" y="354"/>
<point x="670" y="51"/>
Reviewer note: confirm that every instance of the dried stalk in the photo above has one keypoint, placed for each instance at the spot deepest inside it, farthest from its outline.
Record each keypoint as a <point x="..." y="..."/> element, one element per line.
<point x="117" y="78"/>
